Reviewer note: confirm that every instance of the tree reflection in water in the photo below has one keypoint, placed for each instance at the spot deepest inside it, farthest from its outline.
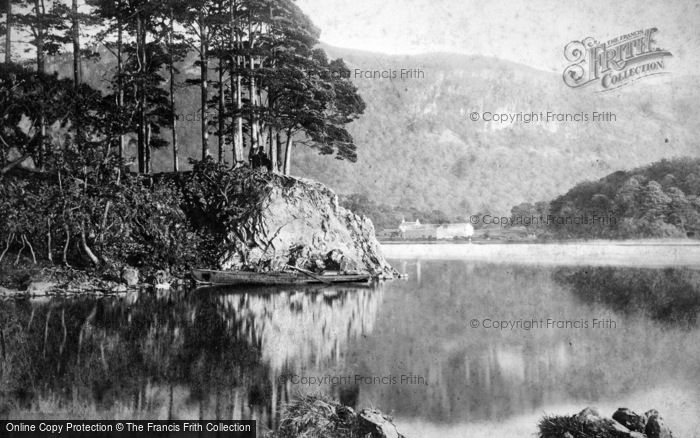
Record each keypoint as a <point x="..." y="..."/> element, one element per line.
<point x="206" y="354"/>
<point x="668" y="295"/>
<point x="220" y="354"/>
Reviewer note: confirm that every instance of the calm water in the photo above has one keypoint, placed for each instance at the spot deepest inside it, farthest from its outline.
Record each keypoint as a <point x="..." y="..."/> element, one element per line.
<point x="409" y="347"/>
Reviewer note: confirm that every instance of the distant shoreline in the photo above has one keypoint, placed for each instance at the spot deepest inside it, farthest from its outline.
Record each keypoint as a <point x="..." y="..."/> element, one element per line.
<point x="626" y="242"/>
<point x="655" y="254"/>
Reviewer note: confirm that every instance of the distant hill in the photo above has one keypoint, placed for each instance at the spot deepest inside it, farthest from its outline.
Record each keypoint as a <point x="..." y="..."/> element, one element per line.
<point x="419" y="151"/>
<point x="659" y="200"/>
<point x="417" y="146"/>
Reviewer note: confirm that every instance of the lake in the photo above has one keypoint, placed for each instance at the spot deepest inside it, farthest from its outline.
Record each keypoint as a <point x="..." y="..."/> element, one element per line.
<point x="464" y="347"/>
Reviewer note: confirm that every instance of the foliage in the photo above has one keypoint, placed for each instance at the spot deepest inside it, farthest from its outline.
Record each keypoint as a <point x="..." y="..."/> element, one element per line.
<point x="316" y="416"/>
<point x="48" y="24"/>
<point x="659" y="200"/>
<point x="273" y="84"/>
<point x="97" y="216"/>
<point x="215" y="198"/>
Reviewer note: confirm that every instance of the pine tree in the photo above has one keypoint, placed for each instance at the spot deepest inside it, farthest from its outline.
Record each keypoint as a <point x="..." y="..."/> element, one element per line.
<point x="6" y="29"/>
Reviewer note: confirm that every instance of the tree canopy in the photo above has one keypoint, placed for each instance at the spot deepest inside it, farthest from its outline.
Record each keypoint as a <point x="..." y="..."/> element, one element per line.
<point x="264" y="85"/>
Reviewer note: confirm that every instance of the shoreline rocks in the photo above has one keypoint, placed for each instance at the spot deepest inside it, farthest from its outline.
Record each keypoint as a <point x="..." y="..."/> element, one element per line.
<point x="318" y="416"/>
<point x="590" y="424"/>
<point x="129" y="276"/>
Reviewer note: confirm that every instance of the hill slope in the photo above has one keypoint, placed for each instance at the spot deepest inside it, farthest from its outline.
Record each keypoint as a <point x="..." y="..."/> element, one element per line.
<point x="419" y="149"/>
<point x="418" y="146"/>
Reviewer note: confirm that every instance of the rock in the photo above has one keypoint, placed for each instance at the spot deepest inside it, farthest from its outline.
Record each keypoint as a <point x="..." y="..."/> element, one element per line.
<point x="568" y="435"/>
<point x="588" y="414"/>
<point x="255" y="256"/>
<point x="634" y="434"/>
<point x="300" y="220"/>
<point x="591" y="415"/>
<point x="619" y="428"/>
<point x="120" y="288"/>
<point x="349" y="266"/>
<point x="376" y="425"/>
<point x="161" y="280"/>
<point x="9" y="292"/>
<point x="655" y="426"/>
<point x="40" y="288"/>
<point x="130" y="276"/>
<point x="630" y="420"/>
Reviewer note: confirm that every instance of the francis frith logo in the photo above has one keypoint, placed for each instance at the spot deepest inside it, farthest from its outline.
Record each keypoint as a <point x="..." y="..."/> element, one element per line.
<point x="616" y="62"/>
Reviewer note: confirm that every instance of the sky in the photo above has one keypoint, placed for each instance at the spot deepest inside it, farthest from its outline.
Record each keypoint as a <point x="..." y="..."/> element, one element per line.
<point x="531" y="32"/>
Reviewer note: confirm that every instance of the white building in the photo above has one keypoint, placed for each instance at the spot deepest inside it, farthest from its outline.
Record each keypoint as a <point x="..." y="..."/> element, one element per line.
<point x="452" y="231"/>
<point x="416" y="230"/>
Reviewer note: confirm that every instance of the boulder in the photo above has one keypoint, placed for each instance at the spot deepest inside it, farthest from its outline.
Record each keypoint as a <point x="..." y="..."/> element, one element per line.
<point x="617" y="427"/>
<point x="300" y="222"/>
<point x="130" y="276"/>
<point x="630" y="420"/>
<point x="161" y="280"/>
<point x="588" y="415"/>
<point x="591" y="417"/>
<point x="120" y="288"/>
<point x="40" y="288"/>
<point x="376" y="425"/>
<point x="655" y="426"/>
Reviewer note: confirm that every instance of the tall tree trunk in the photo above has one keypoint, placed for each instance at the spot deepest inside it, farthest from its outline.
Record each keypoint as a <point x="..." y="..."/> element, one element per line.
<point x="141" y="57"/>
<point x="288" y="153"/>
<point x="204" y="87"/>
<point x="77" y="68"/>
<point x="40" y="12"/>
<point x="253" y="134"/>
<point x="173" y="116"/>
<point x="280" y="152"/>
<point x="220" y="116"/>
<point x="75" y="34"/>
<point x="233" y="89"/>
<point x="148" y="148"/>
<point x="236" y="97"/>
<point x="8" y="35"/>
<point x="273" y="151"/>
<point x="120" y="83"/>
<point x="239" y="117"/>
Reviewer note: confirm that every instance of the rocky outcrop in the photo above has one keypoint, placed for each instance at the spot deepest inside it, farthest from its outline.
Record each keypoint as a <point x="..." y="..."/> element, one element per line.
<point x="375" y="424"/>
<point x="630" y="420"/>
<point x="317" y="416"/>
<point x="589" y="424"/>
<point x="129" y="276"/>
<point x="655" y="426"/>
<point x="299" y="222"/>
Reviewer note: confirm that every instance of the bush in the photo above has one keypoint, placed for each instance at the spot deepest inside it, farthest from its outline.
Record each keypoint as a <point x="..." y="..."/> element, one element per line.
<point x="97" y="216"/>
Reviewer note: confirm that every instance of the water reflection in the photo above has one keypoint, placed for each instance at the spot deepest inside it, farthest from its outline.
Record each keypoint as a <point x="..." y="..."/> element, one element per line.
<point x="181" y="354"/>
<point x="487" y="376"/>
<point x="667" y="295"/>
<point x="220" y="354"/>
